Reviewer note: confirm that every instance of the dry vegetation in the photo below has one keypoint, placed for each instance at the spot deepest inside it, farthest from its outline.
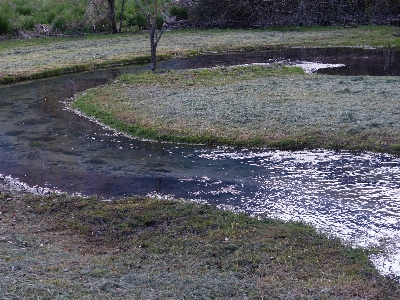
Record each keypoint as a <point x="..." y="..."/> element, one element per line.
<point x="61" y="247"/>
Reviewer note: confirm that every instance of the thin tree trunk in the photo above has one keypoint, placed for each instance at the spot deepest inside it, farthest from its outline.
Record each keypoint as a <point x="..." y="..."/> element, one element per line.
<point x="153" y="49"/>
<point x="111" y="9"/>
<point x="153" y="58"/>
<point x="151" y="14"/>
<point x="122" y="12"/>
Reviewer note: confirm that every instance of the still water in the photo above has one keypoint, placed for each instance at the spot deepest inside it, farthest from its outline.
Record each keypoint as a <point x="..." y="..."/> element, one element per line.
<point x="355" y="196"/>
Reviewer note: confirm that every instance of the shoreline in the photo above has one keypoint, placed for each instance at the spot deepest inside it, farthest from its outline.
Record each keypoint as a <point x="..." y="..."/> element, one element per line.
<point x="65" y="229"/>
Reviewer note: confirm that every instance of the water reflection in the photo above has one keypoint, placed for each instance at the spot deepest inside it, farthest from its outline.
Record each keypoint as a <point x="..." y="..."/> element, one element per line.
<point x="354" y="196"/>
<point x="374" y="62"/>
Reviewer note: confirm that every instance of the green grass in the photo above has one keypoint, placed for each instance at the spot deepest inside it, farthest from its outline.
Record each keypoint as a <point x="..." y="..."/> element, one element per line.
<point x="275" y="106"/>
<point x="139" y="248"/>
<point x="66" y="16"/>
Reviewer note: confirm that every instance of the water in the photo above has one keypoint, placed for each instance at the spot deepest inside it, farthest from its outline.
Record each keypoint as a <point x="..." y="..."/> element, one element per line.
<point x="353" y="196"/>
<point x="357" y="61"/>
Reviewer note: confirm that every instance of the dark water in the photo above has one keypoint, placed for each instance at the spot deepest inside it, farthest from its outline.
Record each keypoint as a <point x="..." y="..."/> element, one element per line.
<point x="354" y="196"/>
<point x="357" y="61"/>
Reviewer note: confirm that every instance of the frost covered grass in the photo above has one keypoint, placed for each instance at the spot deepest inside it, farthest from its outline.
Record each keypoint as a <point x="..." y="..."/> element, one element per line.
<point x="44" y="57"/>
<point x="63" y="247"/>
<point x="269" y="106"/>
<point x="33" y="58"/>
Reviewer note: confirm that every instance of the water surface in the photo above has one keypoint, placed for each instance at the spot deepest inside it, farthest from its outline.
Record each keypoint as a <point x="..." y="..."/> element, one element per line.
<point x="353" y="196"/>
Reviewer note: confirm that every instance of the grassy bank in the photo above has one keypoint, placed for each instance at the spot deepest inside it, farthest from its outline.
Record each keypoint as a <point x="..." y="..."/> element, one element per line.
<point x="33" y="58"/>
<point x="61" y="247"/>
<point x="272" y="106"/>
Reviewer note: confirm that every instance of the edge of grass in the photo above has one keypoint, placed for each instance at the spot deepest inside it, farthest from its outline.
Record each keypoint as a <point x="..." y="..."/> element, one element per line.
<point x="110" y="105"/>
<point x="79" y="68"/>
<point x="84" y="104"/>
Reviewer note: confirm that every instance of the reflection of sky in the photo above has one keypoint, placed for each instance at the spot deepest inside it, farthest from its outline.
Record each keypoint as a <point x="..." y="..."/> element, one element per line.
<point x="354" y="197"/>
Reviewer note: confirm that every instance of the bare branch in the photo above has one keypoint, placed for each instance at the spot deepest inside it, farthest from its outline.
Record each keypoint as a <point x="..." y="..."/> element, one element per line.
<point x="151" y="10"/>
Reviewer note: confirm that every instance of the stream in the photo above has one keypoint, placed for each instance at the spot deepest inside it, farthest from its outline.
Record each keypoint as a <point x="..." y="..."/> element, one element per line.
<point x="353" y="196"/>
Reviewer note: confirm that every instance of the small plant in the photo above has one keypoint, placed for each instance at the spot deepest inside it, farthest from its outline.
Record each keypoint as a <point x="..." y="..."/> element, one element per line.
<point x="59" y="23"/>
<point x="28" y="23"/>
<point x="179" y="12"/>
<point x="137" y="20"/>
<point x="36" y="144"/>
<point x="4" y="25"/>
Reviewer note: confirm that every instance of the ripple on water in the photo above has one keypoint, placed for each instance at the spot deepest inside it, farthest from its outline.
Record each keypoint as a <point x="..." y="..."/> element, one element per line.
<point x="14" y="132"/>
<point x="352" y="196"/>
<point x="94" y="161"/>
<point x="34" y="121"/>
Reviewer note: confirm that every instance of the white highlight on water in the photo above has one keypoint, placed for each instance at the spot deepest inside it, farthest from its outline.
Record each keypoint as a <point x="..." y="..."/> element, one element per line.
<point x="355" y="197"/>
<point x="312" y="67"/>
<point x="307" y="66"/>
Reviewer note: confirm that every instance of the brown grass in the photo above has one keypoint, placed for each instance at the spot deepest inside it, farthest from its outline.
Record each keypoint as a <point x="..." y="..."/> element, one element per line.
<point x="62" y="247"/>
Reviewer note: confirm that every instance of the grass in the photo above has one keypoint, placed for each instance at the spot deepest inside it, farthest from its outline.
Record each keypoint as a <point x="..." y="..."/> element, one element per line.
<point x="62" y="16"/>
<point x="24" y="15"/>
<point x="274" y="106"/>
<point x="62" y="247"/>
<point x="21" y="60"/>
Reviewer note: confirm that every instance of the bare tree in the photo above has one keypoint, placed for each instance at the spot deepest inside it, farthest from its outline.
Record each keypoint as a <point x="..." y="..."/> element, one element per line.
<point x="152" y="9"/>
